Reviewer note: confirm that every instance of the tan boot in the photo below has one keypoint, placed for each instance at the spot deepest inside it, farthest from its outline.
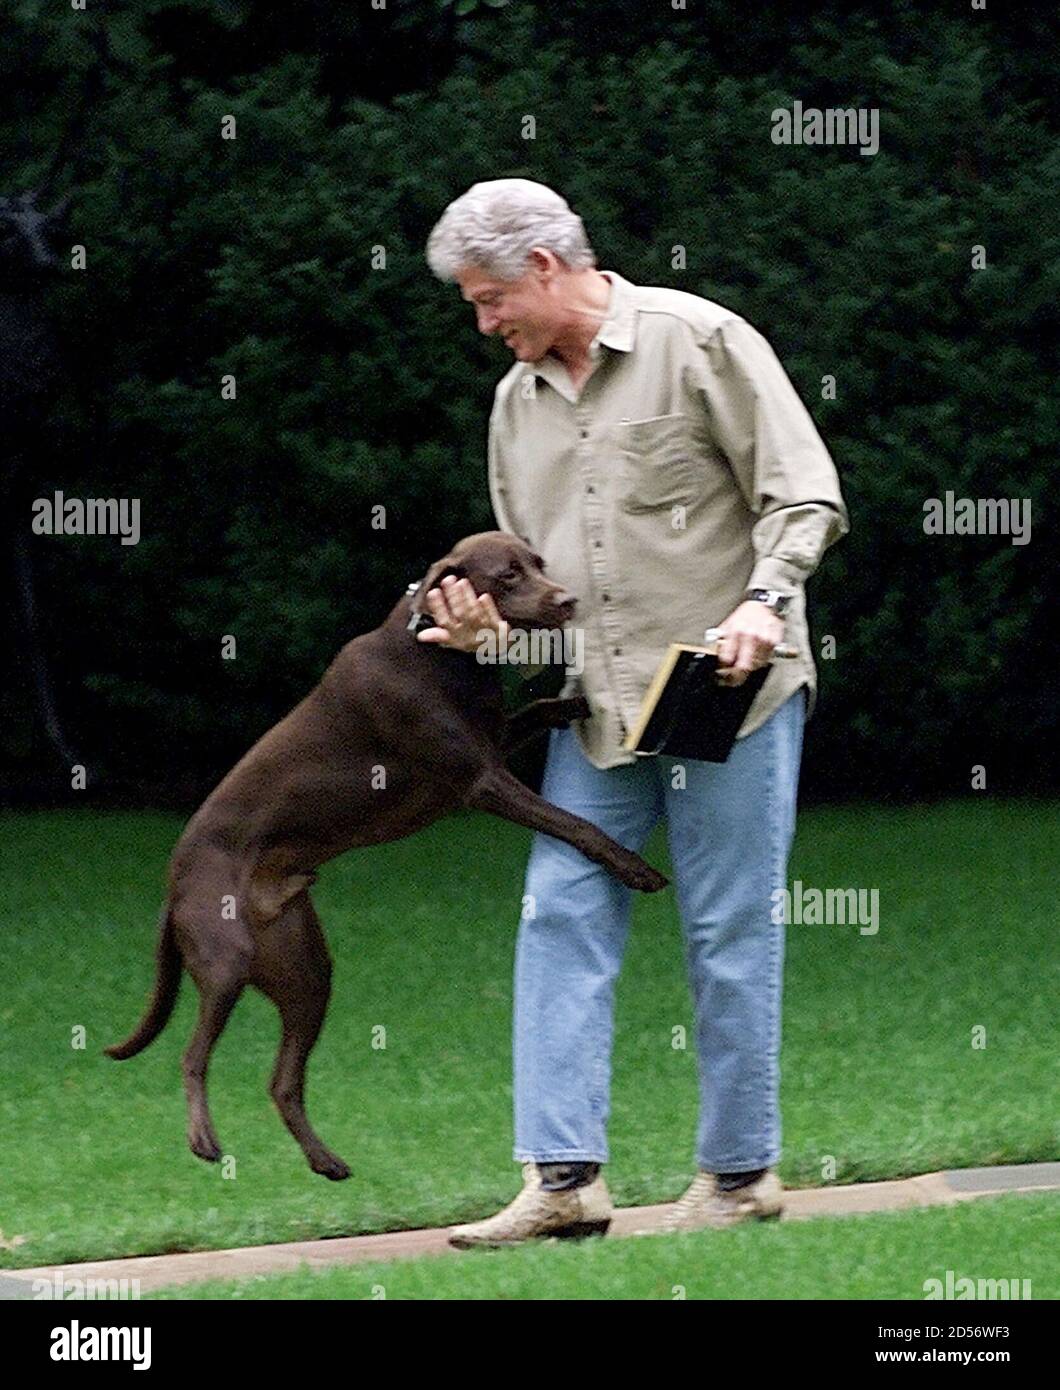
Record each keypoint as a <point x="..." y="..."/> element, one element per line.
<point x="580" y="1211"/>
<point x="704" y="1206"/>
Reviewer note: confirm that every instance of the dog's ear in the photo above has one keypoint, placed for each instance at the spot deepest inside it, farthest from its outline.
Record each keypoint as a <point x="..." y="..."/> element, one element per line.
<point x="435" y="575"/>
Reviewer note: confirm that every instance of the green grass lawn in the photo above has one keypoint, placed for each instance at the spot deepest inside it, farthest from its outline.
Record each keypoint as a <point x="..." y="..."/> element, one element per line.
<point x="879" y="1071"/>
<point x="883" y="1256"/>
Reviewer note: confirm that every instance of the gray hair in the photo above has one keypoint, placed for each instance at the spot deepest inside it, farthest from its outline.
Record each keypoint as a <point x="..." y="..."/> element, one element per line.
<point x="495" y="225"/>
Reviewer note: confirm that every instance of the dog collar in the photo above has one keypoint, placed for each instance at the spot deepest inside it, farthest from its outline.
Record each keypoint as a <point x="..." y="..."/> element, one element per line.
<point x="418" y="622"/>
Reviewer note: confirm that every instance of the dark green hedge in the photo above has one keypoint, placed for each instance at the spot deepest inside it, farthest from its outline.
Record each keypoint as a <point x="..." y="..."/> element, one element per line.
<point x="360" y="386"/>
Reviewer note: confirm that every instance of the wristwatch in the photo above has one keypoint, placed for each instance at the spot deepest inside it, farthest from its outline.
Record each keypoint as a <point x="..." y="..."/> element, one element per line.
<point x="771" y="598"/>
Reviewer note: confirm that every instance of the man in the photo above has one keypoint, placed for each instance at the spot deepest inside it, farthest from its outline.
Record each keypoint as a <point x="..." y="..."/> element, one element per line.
<point x="649" y="445"/>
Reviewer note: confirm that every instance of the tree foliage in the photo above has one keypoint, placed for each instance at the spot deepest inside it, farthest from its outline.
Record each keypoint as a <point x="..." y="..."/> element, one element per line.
<point x="292" y="259"/>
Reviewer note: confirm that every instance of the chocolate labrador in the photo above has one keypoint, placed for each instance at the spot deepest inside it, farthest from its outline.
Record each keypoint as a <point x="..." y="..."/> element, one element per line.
<point x="398" y="733"/>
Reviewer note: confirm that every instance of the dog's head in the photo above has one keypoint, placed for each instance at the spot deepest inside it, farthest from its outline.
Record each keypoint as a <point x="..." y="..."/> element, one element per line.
<point x="509" y="570"/>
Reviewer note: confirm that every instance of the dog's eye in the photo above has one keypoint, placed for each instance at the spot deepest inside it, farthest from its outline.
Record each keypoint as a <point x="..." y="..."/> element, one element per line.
<point x="509" y="576"/>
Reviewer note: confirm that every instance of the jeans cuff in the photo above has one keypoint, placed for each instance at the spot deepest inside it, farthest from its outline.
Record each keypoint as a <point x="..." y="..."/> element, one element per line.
<point x="559" y="1156"/>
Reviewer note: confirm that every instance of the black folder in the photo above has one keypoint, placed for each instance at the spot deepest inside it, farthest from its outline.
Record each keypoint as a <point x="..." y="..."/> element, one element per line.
<point x="686" y="713"/>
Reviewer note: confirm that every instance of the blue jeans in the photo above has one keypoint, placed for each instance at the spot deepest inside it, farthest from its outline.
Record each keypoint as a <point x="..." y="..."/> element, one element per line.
<point x="730" y="829"/>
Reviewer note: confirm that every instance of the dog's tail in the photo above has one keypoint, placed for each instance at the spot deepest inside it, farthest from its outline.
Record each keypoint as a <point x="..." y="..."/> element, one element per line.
<point x="167" y="986"/>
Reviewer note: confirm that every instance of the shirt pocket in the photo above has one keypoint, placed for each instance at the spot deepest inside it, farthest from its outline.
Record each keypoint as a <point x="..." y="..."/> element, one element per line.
<point x="656" y="462"/>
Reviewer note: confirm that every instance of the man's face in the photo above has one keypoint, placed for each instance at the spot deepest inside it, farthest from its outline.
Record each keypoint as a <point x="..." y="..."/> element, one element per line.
<point x="524" y="312"/>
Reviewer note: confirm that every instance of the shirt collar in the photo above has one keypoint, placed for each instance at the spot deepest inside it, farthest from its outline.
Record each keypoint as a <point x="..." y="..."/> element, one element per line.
<point x="618" y="331"/>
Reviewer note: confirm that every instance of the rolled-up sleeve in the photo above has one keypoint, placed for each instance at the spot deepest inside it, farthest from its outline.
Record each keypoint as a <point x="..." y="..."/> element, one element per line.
<point x="780" y="462"/>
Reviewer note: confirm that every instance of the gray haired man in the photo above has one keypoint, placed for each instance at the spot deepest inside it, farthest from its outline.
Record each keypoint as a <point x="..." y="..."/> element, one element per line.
<point x="649" y="445"/>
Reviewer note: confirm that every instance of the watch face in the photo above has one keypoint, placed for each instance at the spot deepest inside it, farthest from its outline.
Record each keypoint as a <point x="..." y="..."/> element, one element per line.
<point x="778" y="602"/>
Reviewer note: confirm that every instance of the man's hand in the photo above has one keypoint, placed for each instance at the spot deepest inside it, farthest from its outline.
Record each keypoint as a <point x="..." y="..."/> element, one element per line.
<point x="461" y="616"/>
<point x="749" y="635"/>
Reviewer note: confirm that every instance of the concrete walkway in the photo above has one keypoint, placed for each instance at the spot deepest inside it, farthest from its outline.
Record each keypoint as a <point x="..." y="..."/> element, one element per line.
<point x="161" y="1271"/>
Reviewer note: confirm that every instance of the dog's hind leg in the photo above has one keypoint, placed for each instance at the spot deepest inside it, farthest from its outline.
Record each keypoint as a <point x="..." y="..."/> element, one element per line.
<point x="293" y="968"/>
<point x="221" y="974"/>
<point x="214" y="1009"/>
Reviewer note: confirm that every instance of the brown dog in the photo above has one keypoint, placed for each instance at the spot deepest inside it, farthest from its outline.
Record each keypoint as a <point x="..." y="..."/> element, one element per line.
<point x="432" y="720"/>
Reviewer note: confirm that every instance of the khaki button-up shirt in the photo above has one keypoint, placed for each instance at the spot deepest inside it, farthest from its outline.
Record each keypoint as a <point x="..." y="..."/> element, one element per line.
<point x="684" y="472"/>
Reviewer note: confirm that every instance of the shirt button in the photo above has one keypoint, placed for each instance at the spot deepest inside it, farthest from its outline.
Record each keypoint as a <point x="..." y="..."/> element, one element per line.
<point x="618" y="651"/>
<point x="584" y="434"/>
<point x="590" y="488"/>
<point x="606" y="598"/>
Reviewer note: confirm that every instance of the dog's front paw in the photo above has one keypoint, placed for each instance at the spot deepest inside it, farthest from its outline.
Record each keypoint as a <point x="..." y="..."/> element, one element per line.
<point x="638" y="873"/>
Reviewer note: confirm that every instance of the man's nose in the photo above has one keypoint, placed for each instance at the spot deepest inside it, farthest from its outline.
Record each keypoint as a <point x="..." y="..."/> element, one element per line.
<point x="487" y="322"/>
